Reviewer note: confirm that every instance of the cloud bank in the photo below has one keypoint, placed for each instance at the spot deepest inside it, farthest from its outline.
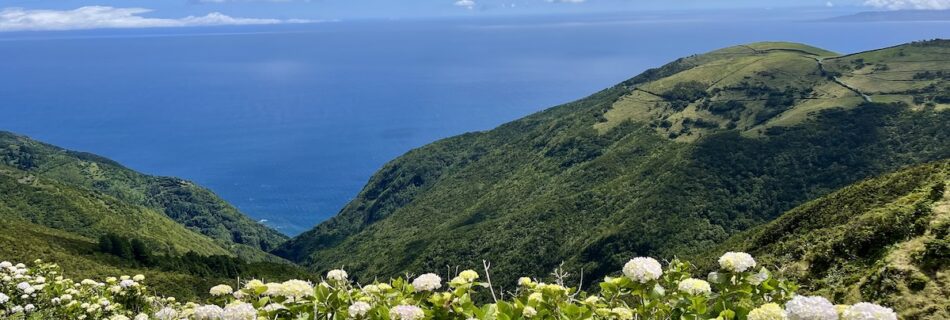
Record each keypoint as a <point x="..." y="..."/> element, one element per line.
<point x="909" y="4"/>
<point x="468" y="4"/>
<point x="97" y="17"/>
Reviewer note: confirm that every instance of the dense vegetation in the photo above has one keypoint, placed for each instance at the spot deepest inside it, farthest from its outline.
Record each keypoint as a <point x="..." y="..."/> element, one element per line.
<point x="599" y="180"/>
<point x="644" y="290"/>
<point x="186" y="203"/>
<point x="55" y="204"/>
<point x="882" y="240"/>
<point x="135" y="252"/>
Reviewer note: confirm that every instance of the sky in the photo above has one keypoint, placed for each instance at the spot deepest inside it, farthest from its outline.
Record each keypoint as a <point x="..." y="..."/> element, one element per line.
<point x="20" y="15"/>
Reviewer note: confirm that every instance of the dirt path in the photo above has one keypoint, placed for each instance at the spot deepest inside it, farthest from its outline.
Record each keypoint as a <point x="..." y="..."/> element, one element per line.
<point x="821" y="67"/>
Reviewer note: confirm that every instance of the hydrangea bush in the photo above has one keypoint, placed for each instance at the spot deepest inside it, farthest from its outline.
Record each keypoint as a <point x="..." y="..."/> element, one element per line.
<point x="644" y="291"/>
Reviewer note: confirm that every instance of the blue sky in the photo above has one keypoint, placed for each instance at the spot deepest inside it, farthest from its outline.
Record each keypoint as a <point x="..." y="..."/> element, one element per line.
<point x="83" y="14"/>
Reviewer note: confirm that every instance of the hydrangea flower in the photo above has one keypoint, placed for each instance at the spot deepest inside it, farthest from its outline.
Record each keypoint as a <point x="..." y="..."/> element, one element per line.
<point x="4" y="298"/>
<point x="810" y="308"/>
<point x="529" y="312"/>
<point x="427" y="282"/>
<point x="239" y="311"/>
<point x="642" y="269"/>
<point x="337" y="275"/>
<point x="208" y="312"/>
<point x="127" y="283"/>
<point x="405" y="312"/>
<point x="868" y="311"/>
<point x="166" y="313"/>
<point x="220" y="290"/>
<point x="736" y="261"/>
<point x="695" y="287"/>
<point x="359" y="309"/>
<point x="768" y="311"/>
<point x="254" y="285"/>
<point x="469" y="275"/>
<point x="296" y="289"/>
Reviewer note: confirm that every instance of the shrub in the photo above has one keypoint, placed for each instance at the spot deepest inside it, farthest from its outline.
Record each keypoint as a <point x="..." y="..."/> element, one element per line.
<point x="643" y="291"/>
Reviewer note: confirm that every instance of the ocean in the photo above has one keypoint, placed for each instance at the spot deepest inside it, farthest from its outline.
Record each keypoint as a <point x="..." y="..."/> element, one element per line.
<point x="287" y="122"/>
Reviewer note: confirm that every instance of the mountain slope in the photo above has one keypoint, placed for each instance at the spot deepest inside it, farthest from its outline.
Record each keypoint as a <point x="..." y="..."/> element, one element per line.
<point x="673" y="161"/>
<point x="56" y="212"/>
<point x="88" y="213"/>
<point x="885" y="239"/>
<point x="190" y="205"/>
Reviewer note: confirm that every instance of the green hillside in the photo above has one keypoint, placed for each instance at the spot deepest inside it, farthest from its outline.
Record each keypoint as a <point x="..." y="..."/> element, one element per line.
<point x="671" y="162"/>
<point x="190" y="205"/>
<point x="57" y="205"/>
<point x="22" y="241"/>
<point x="885" y="240"/>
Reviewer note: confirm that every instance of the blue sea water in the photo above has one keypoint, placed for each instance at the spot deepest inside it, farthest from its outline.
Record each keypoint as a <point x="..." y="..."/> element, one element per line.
<point x="288" y="122"/>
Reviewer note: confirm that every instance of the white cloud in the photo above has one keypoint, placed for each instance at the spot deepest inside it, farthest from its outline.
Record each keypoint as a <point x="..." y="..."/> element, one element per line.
<point x="829" y="4"/>
<point x="909" y="4"/>
<point x="95" y="17"/>
<point x="468" y="4"/>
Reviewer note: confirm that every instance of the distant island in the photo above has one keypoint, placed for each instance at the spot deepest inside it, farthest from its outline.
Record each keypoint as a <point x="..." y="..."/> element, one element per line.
<point x="900" y="15"/>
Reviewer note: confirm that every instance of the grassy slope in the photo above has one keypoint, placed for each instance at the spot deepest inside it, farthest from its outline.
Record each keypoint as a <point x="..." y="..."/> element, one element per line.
<point x="580" y="183"/>
<point x="868" y="242"/>
<point x="190" y="205"/>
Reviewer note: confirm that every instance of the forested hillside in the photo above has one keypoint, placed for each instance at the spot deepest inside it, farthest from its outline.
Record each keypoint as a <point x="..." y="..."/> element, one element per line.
<point x="671" y="162"/>
<point x="190" y="205"/>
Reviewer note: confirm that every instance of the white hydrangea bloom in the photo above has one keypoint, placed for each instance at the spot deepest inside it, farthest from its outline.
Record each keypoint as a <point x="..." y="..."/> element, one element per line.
<point x="208" y="312"/>
<point x="768" y="311"/>
<point x="29" y="308"/>
<point x="643" y="269"/>
<point x="127" y="283"/>
<point x="337" y="275"/>
<point x="5" y="264"/>
<point x="868" y="311"/>
<point x="141" y="316"/>
<point x="139" y="277"/>
<point x="736" y="261"/>
<point x="239" y="311"/>
<point x="24" y="286"/>
<point x="695" y="287"/>
<point x="810" y="308"/>
<point x="529" y="312"/>
<point x="469" y="275"/>
<point x="371" y="289"/>
<point x="427" y="282"/>
<point x="220" y="290"/>
<point x="118" y="317"/>
<point x="405" y="312"/>
<point x="254" y="285"/>
<point x="4" y="298"/>
<point x="166" y="314"/>
<point x="296" y="289"/>
<point x="274" y="289"/>
<point x="359" y="309"/>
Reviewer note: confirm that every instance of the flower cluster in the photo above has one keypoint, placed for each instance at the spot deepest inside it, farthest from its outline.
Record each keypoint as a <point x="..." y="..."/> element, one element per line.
<point x="645" y="290"/>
